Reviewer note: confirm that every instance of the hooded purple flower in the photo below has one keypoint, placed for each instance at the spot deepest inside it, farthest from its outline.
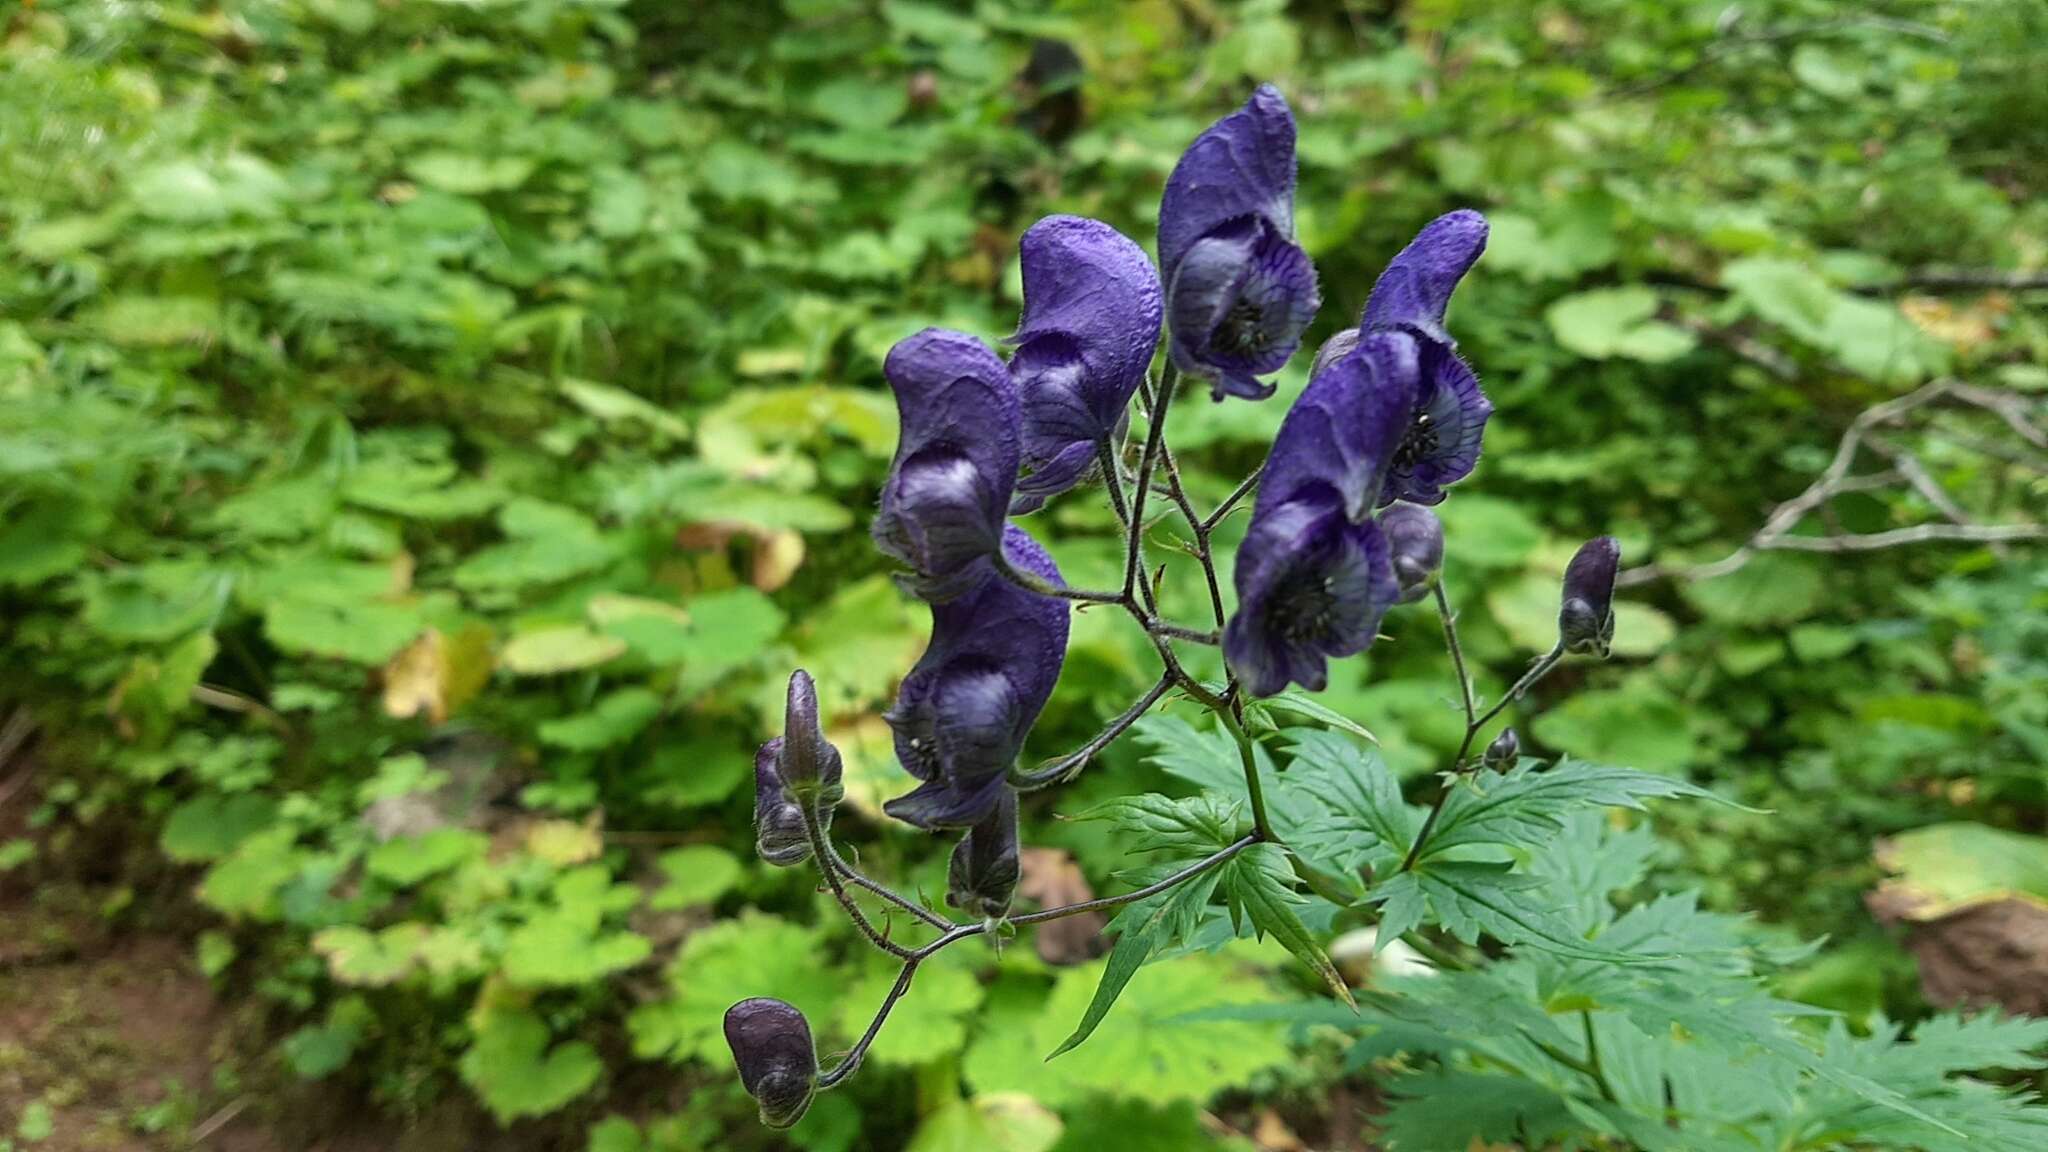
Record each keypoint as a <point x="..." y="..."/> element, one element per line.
<point x="1442" y="443"/>
<point x="963" y="712"/>
<point x="1239" y="290"/>
<point x="956" y="460"/>
<point x="796" y="768"/>
<point x="771" y="1046"/>
<point x="1585" y="621"/>
<point x="1315" y="573"/>
<point x="982" y="875"/>
<point x="1091" y="320"/>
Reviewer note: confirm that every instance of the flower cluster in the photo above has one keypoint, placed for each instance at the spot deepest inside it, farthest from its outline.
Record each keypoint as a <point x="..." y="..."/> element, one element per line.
<point x="1391" y="413"/>
<point x="1342" y="528"/>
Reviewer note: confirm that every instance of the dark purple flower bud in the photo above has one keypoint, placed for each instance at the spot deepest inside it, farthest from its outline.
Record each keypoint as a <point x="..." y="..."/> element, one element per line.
<point x="771" y="1045"/>
<point x="779" y="834"/>
<point x="948" y="491"/>
<point x="1443" y="440"/>
<point x="809" y="765"/>
<point x="982" y="875"/>
<point x="1585" y="623"/>
<point x="1315" y="572"/>
<point x="1239" y="290"/>
<point x="1091" y="319"/>
<point x="1415" y="540"/>
<point x="1504" y="751"/>
<point x="796" y="768"/>
<point x="962" y="714"/>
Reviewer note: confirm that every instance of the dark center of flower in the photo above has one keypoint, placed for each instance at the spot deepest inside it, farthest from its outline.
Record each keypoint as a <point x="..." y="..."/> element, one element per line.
<point x="1241" y="332"/>
<point x="1418" y="445"/>
<point x="1305" y="609"/>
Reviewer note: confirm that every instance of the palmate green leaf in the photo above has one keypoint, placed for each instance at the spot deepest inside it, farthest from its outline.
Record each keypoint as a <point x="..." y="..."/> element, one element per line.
<point x="1146" y="927"/>
<point x="929" y="1024"/>
<point x="1193" y="826"/>
<point x="752" y="954"/>
<point x="1292" y="702"/>
<point x="1476" y="900"/>
<point x="1207" y="759"/>
<point x="512" y="1069"/>
<point x="1528" y="804"/>
<point x="369" y="632"/>
<point x="999" y="1122"/>
<point x="547" y="651"/>
<point x="567" y="948"/>
<point x="1456" y="1110"/>
<point x="1353" y="798"/>
<point x="1258" y="885"/>
<point x="614" y="719"/>
<point x="1153" y="1049"/>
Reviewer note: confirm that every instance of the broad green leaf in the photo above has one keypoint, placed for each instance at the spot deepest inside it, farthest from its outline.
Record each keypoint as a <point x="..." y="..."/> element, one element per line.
<point x="749" y="955"/>
<point x="1942" y="868"/>
<point x="1772" y="588"/>
<point x="997" y="1122"/>
<point x="408" y="860"/>
<point x="367" y="632"/>
<point x="208" y="827"/>
<point x="614" y="719"/>
<point x="697" y="876"/>
<point x="1149" y="1050"/>
<point x="928" y="1025"/>
<point x="1616" y="322"/>
<point x="1355" y="798"/>
<point x="563" y="649"/>
<point x="567" y="948"/>
<point x="1637" y="723"/>
<point x="515" y="1072"/>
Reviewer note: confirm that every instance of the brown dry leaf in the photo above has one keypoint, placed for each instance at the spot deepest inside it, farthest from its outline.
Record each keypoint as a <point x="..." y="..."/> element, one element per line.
<point x="1051" y="877"/>
<point x="1272" y="1134"/>
<point x="412" y="680"/>
<point x="777" y="556"/>
<point x="1983" y="955"/>
<point x="1962" y="327"/>
<point x="438" y="674"/>
<point x="566" y="842"/>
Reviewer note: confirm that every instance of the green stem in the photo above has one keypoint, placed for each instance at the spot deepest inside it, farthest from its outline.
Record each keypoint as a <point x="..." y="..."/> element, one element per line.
<point x="1593" y="1067"/>
<point x="1262" y="828"/>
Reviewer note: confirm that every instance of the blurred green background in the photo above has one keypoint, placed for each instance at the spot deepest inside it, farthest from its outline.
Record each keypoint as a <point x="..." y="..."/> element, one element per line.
<point x="430" y="433"/>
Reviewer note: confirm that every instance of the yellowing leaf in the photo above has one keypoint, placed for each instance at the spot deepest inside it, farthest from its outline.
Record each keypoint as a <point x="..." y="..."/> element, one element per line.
<point x="437" y="674"/>
<point x="548" y="651"/>
<point x="565" y="842"/>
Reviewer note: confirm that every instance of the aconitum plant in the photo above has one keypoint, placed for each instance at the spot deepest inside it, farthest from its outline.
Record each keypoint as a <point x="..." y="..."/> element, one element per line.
<point x="1341" y="532"/>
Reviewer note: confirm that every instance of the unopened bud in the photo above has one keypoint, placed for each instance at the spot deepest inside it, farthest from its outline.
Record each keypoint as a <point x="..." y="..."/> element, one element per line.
<point x="1504" y="751"/>
<point x="982" y="875"/>
<point x="1585" y="622"/>
<point x="771" y="1045"/>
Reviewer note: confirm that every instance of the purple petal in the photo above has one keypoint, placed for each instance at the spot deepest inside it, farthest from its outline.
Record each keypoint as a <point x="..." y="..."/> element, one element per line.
<point x="1416" y="287"/>
<point x="963" y="712"/>
<point x="982" y="875"/>
<point x="1242" y="165"/>
<point x="1311" y="586"/>
<point x="1344" y="431"/>
<point x="1092" y="285"/>
<point x="1091" y="320"/>
<point x="1443" y="442"/>
<point x="1240" y="302"/>
<point x="957" y="457"/>
<point x="778" y="1064"/>
<point x="1585" y="621"/>
<point x="1415" y="542"/>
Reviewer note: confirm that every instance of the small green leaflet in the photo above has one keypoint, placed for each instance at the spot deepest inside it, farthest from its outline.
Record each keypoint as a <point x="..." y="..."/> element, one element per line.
<point x="1151" y="923"/>
<point x="1195" y="824"/>
<point x="1471" y="900"/>
<point x="1258" y="882"/>
<point x="1295" y="703"/>
<point x="1527" y="805"/>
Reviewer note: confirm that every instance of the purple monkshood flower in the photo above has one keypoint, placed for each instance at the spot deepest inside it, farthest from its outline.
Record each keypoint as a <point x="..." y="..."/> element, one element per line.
<point x="771" y="1046"/>
<point x="1091" y="320"/>
<point x="1585" y="621"/>
<point x="1442" y="443"/>
<point x="796" y="768"/>
<point x="948" y="491"/>
<point x="1315" y="572"/>
<point x="962" y="714"/>
<point x="982" y="875"/>
<point x="1239" y="290"/>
